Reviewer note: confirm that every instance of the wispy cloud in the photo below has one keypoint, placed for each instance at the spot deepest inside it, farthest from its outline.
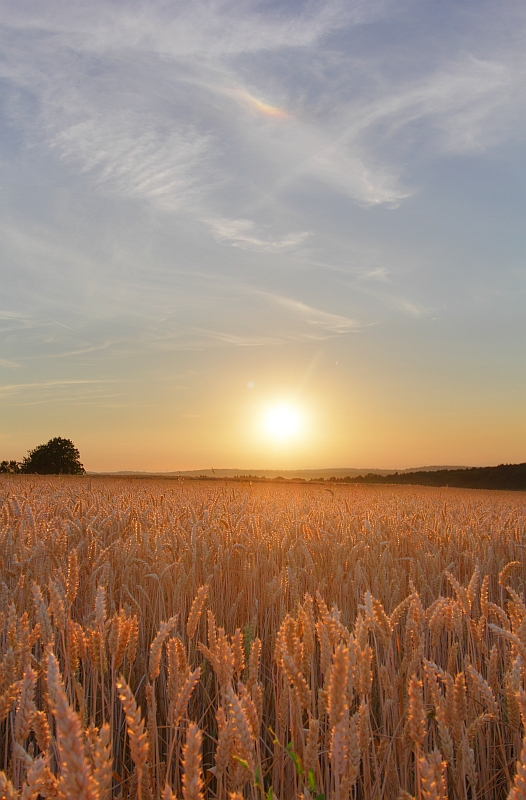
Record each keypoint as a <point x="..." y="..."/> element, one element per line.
<point x="324" y="323"/>
<point x="158" y="107"/>
<point x="80" y="352"/>
<point x="125" y="161"/>
<point x="244" y="233"/>
<point x="13" y="320"/>
<point x="72" y="400"/>
<point x="411" y="308"/>
<point x="47" y="386"/>
<point x="204" y="27"/>
<point x="463" y="101"/>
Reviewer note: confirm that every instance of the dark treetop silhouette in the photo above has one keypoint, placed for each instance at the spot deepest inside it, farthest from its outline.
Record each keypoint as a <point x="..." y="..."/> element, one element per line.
<point x="12" y="467"/>
<point x="57" y="457"/>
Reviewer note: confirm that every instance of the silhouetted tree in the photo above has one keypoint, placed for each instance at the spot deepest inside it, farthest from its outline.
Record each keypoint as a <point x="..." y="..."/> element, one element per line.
<point x="57" y="457"/>
<point x="12" y="467"/>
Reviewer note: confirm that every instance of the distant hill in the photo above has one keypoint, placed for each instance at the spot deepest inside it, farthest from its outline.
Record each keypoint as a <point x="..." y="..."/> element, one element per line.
<point x="504" y="476"/>
<point x="305" y="474"/>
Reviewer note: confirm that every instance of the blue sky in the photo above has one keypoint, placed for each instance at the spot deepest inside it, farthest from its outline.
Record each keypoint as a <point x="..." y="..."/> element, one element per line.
<point x="211" y="207"/>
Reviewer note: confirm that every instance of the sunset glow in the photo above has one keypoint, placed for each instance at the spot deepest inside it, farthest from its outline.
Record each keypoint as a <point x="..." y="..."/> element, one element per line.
<point x="283" y="422"/>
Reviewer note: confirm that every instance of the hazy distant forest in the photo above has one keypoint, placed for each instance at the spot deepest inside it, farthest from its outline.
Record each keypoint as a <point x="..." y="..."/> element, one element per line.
<point x="505" y="476"/>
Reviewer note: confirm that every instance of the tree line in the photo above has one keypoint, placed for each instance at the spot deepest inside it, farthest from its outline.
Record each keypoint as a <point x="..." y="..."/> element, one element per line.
<point x="504" y="476"/>
<point x="57" y="457"/>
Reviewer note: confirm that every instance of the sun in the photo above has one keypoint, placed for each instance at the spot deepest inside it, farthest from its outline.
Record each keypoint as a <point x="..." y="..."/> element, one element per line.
<point x="282" y="422"/>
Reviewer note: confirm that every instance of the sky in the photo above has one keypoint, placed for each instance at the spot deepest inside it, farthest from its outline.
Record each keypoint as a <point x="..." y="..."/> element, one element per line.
<point x="211" y="209"/>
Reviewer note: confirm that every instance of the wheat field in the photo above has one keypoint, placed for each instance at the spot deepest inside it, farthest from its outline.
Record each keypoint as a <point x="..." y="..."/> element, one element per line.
<point x="170" y="639"/>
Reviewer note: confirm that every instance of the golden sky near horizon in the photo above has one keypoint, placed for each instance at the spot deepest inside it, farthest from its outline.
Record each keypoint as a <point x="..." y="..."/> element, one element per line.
<point x="218" y="416"/>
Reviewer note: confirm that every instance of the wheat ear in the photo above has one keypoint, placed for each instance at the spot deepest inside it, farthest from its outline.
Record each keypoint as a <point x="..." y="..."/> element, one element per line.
<point x="241" y="726"/>
<point x="185" y="694"/>
<point x="6" y="788"/>
<point x="26" y="706"/>
<point x="196" y="610"/>
<point x="518" y="790"/>
<point x="137" y="736"/>
<point x="32" y="787"/>
<point x="76" y="775"/>
<point x="192" y="780"/>
<point x="432" y="777"/>
<point x="40" y="727"/>
<point x="338" y="685"/>
<point x="102" y="759"/>
<point x="157" y="646"/>
<point x="72" y="584"/>
<point x="505" y="573"/>
<point x="416" y="714"/>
